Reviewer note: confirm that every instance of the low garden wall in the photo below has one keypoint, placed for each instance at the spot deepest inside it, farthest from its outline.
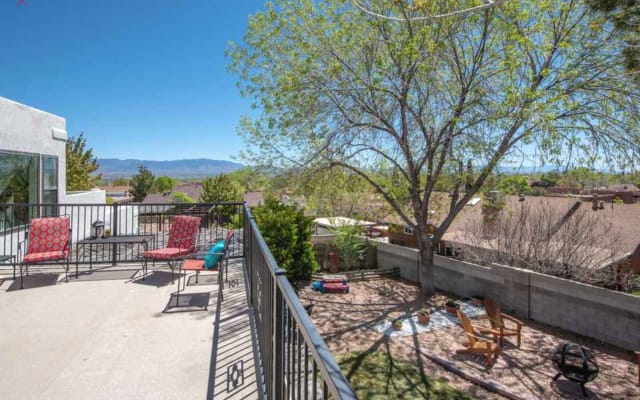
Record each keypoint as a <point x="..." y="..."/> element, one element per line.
<point x="602" y="314"/>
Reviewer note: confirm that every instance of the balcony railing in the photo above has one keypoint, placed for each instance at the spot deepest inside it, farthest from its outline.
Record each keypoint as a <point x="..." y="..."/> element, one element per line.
<point x="293" y="360"/>
<point x="296" y="362"/>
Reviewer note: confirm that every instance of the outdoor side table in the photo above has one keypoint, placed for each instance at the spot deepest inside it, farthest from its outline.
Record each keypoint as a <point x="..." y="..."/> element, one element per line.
<point x="4" y="260"/>
<point x="112" y="241"/>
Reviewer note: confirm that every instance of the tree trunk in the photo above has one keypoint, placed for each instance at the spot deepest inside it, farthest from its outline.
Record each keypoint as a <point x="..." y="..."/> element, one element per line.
<point x="425" y="263"/>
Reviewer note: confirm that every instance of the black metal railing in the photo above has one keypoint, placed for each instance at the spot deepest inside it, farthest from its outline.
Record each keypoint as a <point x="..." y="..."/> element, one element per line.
<point x="295" y="361"/>
<point x="121" y="220"/>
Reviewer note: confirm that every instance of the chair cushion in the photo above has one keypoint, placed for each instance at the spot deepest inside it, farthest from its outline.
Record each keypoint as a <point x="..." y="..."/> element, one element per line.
<point x="49" y="234"/>
<point x="32" y="258"/>
<point x="168" y="253"/>
<point x="193" y="265"/>
<point x="215" y="253"/>
<point x="183" y="232"/>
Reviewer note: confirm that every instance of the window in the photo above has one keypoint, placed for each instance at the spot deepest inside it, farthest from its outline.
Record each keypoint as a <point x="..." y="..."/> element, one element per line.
<point x="50" y="184"/>
<point x="18" y="184"/>
<point x="408" y="231"/>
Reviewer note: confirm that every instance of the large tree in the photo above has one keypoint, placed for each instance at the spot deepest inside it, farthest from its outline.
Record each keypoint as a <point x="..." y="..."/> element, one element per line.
<point x="427" y="98"/>
<point x="81" y="164"/>
<point x="625" y="15"/>
<point x="221" y="189"/>
<point x="141" y="183"/>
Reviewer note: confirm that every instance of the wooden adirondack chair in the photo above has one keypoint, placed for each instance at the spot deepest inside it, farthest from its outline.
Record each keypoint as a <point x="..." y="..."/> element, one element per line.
<point x="476" y="343"/>
<point x="497" y="319"/>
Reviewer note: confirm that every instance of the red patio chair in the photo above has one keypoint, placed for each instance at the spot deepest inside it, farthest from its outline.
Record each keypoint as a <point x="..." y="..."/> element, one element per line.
<point x="48" y="240"/>
<point x="183" y="237"/>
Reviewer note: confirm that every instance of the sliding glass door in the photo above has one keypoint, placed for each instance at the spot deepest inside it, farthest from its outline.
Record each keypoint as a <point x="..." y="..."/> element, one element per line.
<point x="18" y="184"/>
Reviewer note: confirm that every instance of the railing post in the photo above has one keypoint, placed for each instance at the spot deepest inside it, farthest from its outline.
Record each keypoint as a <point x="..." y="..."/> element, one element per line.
<point x="278" y="338"/>
<point x="114" y="232"/>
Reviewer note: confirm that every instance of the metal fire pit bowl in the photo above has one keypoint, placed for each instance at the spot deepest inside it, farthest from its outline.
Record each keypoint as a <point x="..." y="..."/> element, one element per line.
<point x="576" y="363"/>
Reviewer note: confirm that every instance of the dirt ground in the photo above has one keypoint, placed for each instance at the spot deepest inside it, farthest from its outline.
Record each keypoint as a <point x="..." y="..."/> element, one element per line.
<point x="346" y="320"/>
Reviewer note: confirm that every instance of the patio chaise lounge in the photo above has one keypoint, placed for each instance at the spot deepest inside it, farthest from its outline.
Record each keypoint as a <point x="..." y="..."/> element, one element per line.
<point x="497" y="320"/>
<point x="476" y="343"/>
<point x="47" y="241"/>
<point x="183" y="237"/>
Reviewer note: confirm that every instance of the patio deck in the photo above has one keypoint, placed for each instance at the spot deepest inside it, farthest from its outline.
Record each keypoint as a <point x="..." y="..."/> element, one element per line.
<point x="105" y="336"/>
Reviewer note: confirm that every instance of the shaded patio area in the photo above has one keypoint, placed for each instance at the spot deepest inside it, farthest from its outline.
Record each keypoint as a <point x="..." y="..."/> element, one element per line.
<point x="105" y="336"/>
<point x="348" y="323"/>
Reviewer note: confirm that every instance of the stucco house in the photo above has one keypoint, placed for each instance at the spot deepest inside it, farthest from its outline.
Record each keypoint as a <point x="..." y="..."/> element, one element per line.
<point x="33" y="171"/>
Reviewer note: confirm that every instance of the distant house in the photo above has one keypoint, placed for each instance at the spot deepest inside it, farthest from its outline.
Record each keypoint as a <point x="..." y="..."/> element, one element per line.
<point x="627" y="193"/>
<point x="403" y="234"/>
<point x="624" y="218"/>
<point x="253" y="199"/>
<point x="118" y="194"/>
<point x="192" y="190"/>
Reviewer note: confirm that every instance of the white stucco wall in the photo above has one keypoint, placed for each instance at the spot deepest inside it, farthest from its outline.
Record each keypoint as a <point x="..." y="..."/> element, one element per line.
<point x="29" y="130"/>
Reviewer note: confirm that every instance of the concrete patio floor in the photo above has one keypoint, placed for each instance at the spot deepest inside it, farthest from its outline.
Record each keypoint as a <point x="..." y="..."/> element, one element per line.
<point x="110" y="339"/>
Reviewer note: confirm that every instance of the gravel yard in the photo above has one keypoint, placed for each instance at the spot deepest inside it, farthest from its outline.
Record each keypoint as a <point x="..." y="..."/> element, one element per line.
<point x="347" y="323"/>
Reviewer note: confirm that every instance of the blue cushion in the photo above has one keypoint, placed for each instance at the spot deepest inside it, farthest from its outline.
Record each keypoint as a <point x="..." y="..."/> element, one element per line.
<point x="215" y="253"/>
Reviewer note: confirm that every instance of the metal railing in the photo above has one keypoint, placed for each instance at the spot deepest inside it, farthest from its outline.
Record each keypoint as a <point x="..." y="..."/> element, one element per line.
<point x="295" y="361"/>
<point x="121" y="220"/>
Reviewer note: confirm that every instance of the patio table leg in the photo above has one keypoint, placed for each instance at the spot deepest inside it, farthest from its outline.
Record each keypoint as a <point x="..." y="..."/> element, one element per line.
<point x="77" y="260"/>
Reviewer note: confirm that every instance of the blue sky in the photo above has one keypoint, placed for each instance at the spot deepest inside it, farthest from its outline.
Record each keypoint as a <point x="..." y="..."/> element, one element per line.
<point x="143" y="79"/>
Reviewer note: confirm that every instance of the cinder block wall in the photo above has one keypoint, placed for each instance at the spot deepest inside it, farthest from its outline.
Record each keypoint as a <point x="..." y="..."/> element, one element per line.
<point x="602" y="314"/>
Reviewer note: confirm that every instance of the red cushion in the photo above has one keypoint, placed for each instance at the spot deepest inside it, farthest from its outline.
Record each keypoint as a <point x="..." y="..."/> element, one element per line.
<point x="193" y="265"/>
<point x="183" y="231"/>
<point x="334" y="286"/>
<point x="167" y="253"/>
<point x="48" y="235"/>
<point x="44" y="256"/>
<point x="342" y="281"/>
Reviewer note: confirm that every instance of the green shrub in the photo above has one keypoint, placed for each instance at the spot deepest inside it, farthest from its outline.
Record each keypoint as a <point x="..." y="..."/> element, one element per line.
<point x="351" y="246"/>
<point x="181" y="198"/>
<point x="287" y="232"/>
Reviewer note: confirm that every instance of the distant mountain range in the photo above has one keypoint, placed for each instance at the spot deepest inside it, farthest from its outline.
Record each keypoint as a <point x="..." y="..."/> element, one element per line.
<point x="111" y="168"/>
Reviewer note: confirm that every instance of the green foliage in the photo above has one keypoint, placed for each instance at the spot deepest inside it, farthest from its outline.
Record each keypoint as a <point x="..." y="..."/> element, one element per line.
<point x="513" y="184"/>
<point x="141" y="184"/>
<point x="350" y="244"/>
<point x="81" y="164"/>
<point x="490" y="211"/>
<point x="550" y="179"/>
<point x="221" y="189"/>
<point x="337" y="87"/>
<point x="181" y="198"/>
<point x="617" y="200"/>
<point x="163" y="184"/>
<point x="120" y="182"/>
<point x="331" y="191"/>
<point x="378" y="375"/>
<point x="109" y="200"/>
<point x="580" y="177"/>
<point x="287" y="232"/>
<point x="250" y="179"/>
<point x="625" y="15"/>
